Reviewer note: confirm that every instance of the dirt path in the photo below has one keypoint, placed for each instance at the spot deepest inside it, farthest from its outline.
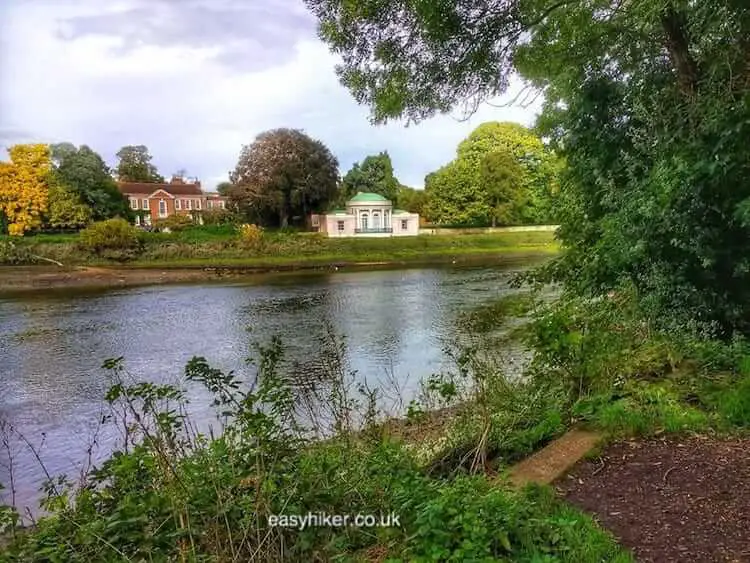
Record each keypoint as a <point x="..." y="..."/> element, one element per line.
<point x="670" y="500"/>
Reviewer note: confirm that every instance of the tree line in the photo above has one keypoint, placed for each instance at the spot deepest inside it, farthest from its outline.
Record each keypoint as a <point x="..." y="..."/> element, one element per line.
<point x="502" y="175"/>
<point x="65" y="187"/>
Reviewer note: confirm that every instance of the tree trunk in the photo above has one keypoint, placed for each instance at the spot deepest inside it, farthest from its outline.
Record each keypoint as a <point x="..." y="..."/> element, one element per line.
<point x="283" y="218"/>
<point x="678" y="46"/>
<point x="494" y="221"/>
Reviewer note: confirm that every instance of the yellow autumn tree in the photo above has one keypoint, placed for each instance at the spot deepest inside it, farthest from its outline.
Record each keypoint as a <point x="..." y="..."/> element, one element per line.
<point x="23" y="187"/>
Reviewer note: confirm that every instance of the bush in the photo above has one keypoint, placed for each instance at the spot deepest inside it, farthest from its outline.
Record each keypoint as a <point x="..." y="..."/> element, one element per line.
<point x="12" y="254"/>
<point x="218" y="217"/>
<point x="114" y="239"/>
<point x="251" y="237"/>
<point x="174" y="223"/>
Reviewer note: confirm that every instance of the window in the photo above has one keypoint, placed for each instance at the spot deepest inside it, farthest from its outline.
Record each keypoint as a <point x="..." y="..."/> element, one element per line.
<point x="209" y="204"/>
<point x="133" y="204"/>
<point x="162" y="208"/>
<point x="178" y="204"/>
<point x="315" y="221"/>
<point x="144" y="204"/>
<point x="198" y="204"/>
<point x="221" y="204"/>
<point x="404" y="224"/>
<point x="364" y="221"/>
<point x="341" y="226"/>
<point x="376" y="220"/>
<point x="190" y="204"/>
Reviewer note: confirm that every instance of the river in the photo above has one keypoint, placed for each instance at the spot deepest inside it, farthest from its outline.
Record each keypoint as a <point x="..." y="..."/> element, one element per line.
<point x="52" y="343"/>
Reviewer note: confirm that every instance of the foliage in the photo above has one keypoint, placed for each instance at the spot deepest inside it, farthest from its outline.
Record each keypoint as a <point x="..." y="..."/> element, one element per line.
<point x="412" y="200"/>
<point x="167" y="493"/>
<point x="84" y="173"/>
<point x="24" y="188"/>
<point x="501" y="177"/>
<point x="134" y="165"/>
<point x="113" y="239"/>
<point x="218" y="217"/>
<point x="175" y="222"/>
<point x="12" y="254"/>
<point x="454" y="196"/>
<point x="374" y="175"/>
<point x="284" y="174"/>
<point x="65" y="209"/>
<point x="250" y="236"/>
<point x="649" y="104"/>
<point x="471" y="181"/>
<point x="224" y="188"/>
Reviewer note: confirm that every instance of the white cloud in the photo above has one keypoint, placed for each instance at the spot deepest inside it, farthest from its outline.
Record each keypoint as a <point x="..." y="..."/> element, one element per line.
<point x="193" y="110"/>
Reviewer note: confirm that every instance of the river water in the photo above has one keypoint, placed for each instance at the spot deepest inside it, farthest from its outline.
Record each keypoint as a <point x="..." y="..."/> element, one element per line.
<point x="397" y="324"/>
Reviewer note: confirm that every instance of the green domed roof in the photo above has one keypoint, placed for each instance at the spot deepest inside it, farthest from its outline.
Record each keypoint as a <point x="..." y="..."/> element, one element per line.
<point x="368" y="197"/>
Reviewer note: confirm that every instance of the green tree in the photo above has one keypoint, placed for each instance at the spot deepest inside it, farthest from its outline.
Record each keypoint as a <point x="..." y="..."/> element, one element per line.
<point x="84" y="173"/>
<point x="374" y="175"/>
<point x="283" y="175"/>
<point x="502" y="178"/>
<point x="134" y="165"/>
<point x="224" y="188"/>
<point x="461" y="183"/>
<point x="412" y="200"/>
<point x="65" y="210"/>
<point x="454" y="196"/>
<point x="647" y="101"/>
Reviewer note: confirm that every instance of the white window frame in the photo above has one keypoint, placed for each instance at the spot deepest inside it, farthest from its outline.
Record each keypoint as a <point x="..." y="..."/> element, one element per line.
<point x="189" y="204"/>
<point x="340" y="227"/>
<point x="404" y="224"/>
<point x="178" y="204"/>
<point x="166" y="209"/>
<point x="197" y="204"/>
<point x="222" y="204"/>
<point x="133" y="203"/>
<point x="144" y="205"/>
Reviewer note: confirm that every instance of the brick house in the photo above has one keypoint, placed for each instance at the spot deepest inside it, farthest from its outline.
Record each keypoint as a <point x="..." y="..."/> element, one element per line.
<point x="151" y="202"/>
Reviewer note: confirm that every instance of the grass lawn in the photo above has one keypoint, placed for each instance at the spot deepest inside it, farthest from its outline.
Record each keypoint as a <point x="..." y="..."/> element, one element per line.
<point x="219" y="246"/>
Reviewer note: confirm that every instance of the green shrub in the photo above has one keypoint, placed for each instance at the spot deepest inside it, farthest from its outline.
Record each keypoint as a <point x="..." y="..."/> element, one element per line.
<point x="174" y="223"/>
<point x="114" y="239"/>
<point x="12" y="254"/>
<point x="732" y="402"/>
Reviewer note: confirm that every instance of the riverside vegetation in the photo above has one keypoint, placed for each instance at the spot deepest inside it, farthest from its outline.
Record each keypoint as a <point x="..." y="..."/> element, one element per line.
<point x="171" y="492"/>
<point x="116" y="242"/>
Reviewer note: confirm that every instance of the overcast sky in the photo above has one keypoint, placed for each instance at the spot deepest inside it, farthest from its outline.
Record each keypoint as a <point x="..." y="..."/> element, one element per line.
<point x="194" y="80"/>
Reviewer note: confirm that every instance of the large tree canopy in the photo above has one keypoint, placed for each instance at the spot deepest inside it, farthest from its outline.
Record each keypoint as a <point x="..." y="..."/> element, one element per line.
<point x="461" y="193"/>
<point x="647" y="100"/>
<point x="374" y="175"/>
<point x="84" y="173"/>
<point x="134" y="165"/>
<point x="284" y="174"/>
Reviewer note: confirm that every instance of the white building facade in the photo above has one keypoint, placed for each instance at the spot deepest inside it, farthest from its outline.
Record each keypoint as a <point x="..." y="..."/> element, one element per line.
<point x="367" y="215"/>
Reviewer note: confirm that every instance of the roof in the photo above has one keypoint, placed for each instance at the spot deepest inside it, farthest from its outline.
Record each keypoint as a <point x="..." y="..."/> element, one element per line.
<point x="144" y="188"/>
<point x="339" y="212"/>
<point x="368" y="196"/>
<point x="400" y="212"/>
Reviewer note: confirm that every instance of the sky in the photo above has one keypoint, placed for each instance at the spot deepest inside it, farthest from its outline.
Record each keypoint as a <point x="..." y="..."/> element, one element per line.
<point x="195" y="80"/>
